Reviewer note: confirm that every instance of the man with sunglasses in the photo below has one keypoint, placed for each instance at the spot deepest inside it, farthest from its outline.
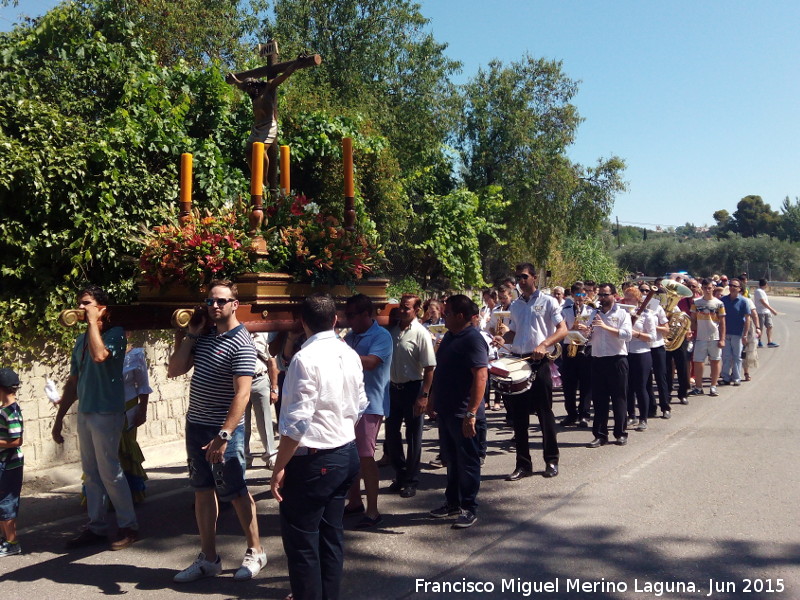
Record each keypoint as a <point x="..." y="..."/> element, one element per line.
<point x="708" y="327"/>
<point x="737" y="324"/>
<point x="95" y="381"/>
<point x="535" y="326"/>
<point x="222" y="354"/>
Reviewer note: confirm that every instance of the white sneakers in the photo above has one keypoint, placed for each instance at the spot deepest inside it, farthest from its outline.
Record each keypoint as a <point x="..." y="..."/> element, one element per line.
<point x="198" y="569"/>
<point x="251" y="565"/>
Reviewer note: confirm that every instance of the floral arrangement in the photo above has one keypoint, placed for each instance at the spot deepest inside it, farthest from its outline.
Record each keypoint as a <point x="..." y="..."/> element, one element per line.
<point x="302" y="240"/>
<point x="313" y="246"/>
<point x="202" y="249"/>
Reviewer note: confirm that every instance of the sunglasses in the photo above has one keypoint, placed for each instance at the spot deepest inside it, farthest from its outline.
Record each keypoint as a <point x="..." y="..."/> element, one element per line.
<point x="579" y="295"/>
<point x="219" y="301"/>
<point x="521" y="277"/>
<point x="604" y="295"/>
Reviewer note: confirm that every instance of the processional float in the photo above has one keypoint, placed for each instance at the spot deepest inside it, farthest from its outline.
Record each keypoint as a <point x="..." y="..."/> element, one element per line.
<point x="267" y="301"/>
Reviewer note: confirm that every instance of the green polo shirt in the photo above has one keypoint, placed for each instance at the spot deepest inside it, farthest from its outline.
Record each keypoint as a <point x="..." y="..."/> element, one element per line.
<point x="101" y="388"/>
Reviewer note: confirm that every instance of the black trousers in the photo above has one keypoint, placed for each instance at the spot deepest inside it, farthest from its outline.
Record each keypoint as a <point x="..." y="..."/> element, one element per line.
<point x="678" y="359"/>
<point x="311" y="512"/>
<point x="402" y="398"/>
<point x="659" y="356"/>
<point x="639" y="366"/>
<point x="609" y="387"/>
<point x="576" y="378"/>
<point x="538" y="398"/>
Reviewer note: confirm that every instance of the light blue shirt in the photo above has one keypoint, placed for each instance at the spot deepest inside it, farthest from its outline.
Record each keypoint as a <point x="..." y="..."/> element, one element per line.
<point x="375" y="341"/>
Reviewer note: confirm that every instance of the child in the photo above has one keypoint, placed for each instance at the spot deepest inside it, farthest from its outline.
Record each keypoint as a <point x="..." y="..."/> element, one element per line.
<point x="10" y="461"/>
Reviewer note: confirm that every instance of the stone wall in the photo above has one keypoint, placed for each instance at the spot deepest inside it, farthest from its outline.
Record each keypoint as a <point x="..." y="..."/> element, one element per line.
<point x="165" y="413"/>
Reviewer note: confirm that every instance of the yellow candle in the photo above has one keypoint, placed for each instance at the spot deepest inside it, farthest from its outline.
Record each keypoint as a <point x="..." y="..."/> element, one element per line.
<point x="186" y="178"/>
<point x="257" y="170"/>
<point x="347" y="151"/>
<point x="285" y="154"/>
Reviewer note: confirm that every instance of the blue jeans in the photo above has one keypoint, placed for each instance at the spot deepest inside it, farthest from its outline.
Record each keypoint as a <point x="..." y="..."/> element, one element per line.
<point x="462" y="455"/>
<point x="314" y="490"/>
<point x="732" y="359"/>
<point x="226" y="477"/>
<point x="98" y="437"/>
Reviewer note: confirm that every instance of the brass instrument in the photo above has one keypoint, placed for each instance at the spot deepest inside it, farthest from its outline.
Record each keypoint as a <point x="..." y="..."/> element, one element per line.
<point x="574" y="345"/>
<point x="679" y="322"/>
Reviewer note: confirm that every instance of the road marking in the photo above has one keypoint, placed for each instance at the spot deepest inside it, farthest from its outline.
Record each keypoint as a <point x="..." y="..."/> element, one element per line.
<point x="657" y="455"/>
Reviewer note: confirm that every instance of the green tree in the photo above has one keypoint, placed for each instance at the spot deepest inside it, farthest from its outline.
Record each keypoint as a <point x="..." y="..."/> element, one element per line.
<point x="754" y="217"/>
<point x="790" y="220"/>
<point x="518" y="123"/>
<point x="91" y="130"/>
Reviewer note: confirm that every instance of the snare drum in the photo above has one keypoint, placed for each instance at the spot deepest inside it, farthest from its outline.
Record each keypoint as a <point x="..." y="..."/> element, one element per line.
<point x="511" y="375"/>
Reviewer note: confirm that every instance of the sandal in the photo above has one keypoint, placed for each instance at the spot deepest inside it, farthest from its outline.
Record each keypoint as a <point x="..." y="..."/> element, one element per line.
<point x="353" y="510"/>
<point x="367" y="522"/>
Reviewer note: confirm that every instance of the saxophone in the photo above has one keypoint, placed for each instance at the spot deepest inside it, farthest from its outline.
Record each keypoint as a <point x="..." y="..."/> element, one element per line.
<point x="679" y="322"/>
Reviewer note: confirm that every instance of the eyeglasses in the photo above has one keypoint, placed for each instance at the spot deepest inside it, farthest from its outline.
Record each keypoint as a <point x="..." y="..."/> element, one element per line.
<point x="521" y="276"/>
<point x="219" y="301"/>
<point x="604" y="295"/>
<point x="84" y="303"/>
<point x="735" y="286"/>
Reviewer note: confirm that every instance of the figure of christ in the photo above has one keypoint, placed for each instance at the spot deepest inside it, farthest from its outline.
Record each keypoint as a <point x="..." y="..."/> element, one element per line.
<point x="264" y="95"/>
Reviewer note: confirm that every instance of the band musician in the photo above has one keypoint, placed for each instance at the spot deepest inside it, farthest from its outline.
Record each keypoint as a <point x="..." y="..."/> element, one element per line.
<point x="534" y="327"/>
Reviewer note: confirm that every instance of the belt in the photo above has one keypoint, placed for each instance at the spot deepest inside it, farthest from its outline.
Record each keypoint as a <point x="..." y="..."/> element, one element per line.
<point x="259" y="375"/>
<point x="400" y="386"/>
<point x="303" y="451"/>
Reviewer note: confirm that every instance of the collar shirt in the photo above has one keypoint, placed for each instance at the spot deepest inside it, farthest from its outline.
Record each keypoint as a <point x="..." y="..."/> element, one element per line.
<point x="413" y="351"/>
<point x="101" y="388"/>
<point x="533" y="321"/>
<point x="375" y="341"/>
<point x="323" y="394"/>
<point x="646" y="323"/>
<point x="661" y="319"/>
<point x="605" y="343"/>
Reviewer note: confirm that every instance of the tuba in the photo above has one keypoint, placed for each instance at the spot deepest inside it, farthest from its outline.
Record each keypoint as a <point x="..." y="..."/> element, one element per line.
<point x="679" y="322"/>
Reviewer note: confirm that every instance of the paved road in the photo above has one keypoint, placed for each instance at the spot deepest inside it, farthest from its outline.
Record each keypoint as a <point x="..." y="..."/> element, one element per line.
<point x="710" y="495"/>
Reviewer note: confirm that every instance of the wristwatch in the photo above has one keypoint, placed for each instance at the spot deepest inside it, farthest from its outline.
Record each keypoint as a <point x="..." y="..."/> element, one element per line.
<point x="274" y="390"/>
<point x="469" y="415"/>
<point x="224" y="435"/>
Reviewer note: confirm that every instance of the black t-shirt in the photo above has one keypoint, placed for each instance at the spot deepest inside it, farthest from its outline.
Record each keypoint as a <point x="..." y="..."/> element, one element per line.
<point x="458" y="354"/>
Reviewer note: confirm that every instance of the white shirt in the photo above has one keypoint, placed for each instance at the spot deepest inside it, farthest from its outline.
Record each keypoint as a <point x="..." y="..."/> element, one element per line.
<point x="646" y="323"/>
<point x="606" y="343"/>
<point x="413" y="351"/>
<point x="661" y="319"/>
<point x="533" y="321"/>
<point x="759" y="295"/>
<point x="261" y="341"/>
<point x="323" y="394"/>
<point x="134" y="374"/>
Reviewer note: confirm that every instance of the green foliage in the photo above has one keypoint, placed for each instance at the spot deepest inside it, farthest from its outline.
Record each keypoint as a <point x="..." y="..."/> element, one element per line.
<point x="583" y="258"/>
<point x="760" y="257"/>
<point x="518" y="123"/>
<point x="404" y="285"/>
<point x="91" y="129"/>
<point x="790" y="220"/>
<point x="444" y="240"/>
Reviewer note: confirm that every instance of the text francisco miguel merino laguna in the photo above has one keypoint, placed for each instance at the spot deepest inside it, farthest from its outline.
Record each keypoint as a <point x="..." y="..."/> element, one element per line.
<point x="601" y="586"/>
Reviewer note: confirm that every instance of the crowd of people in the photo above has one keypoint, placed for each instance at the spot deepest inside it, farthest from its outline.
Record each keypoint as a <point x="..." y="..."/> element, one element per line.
<point x="334" y="388"/>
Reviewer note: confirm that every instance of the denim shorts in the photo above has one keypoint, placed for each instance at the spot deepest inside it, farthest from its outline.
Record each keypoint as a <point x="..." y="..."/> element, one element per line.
<point x="227" y="477"/>
<point x="10" y="488"/>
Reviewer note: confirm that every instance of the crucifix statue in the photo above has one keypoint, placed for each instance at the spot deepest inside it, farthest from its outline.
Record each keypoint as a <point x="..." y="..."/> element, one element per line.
<point x="264" y="95"/>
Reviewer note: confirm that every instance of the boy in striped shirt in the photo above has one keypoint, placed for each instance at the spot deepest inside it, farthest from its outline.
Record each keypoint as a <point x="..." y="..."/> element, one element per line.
<point x="11" y="461"/>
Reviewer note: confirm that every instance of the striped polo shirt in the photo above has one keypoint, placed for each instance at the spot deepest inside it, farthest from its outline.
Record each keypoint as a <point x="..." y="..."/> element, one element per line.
<point x="218" y="358"/>
<point x="10" y="430"/>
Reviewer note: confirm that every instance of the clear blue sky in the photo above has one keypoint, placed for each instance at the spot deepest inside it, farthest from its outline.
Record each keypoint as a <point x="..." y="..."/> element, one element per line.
<point x="699" y="98"/>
